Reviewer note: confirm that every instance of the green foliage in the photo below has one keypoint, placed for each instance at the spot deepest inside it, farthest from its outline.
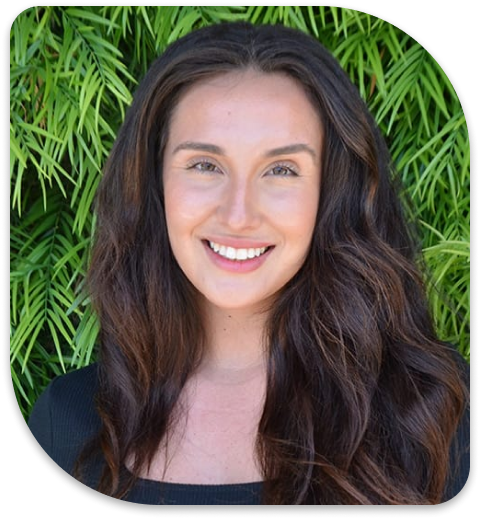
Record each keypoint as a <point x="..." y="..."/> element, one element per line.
<point x="72" y="73"/>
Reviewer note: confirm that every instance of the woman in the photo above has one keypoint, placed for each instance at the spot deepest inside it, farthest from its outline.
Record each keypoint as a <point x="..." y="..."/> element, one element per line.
<point x="265" y="336"/>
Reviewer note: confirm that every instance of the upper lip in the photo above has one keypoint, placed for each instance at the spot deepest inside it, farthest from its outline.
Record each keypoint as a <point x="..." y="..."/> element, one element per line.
<point x="239" y="243"/>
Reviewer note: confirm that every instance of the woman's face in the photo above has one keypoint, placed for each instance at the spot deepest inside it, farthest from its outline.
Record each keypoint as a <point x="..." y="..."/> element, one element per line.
<point x="242" y="182"/>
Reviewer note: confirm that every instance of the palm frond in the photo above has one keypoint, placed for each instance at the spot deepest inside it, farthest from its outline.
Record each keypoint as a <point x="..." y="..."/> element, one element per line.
<point x="72" y="71"/>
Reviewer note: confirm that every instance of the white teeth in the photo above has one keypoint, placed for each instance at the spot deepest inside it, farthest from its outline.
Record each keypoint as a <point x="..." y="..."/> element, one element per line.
<point x="236" y="254"/>
<point x="242" y="254"/>
<point x="231" y="253"/>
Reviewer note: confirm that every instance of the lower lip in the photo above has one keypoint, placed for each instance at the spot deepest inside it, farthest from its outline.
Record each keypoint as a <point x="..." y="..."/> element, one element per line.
<point x="240" y="267"/>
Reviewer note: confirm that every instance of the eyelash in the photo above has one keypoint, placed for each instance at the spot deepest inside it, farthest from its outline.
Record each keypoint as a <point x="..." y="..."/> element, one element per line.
<point x="292" y="172"/>
<point x="202" y="162"/>
<point x="291" y="169"/>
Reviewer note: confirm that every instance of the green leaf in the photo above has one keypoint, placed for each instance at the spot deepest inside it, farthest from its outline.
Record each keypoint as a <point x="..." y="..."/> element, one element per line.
<point x="73" y="70"/>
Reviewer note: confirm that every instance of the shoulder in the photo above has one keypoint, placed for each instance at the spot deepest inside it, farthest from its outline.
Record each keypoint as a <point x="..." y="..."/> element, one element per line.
<point x="64" y="417"/>
<point x="459" y="459"/>
<point x="461" y="363"/>
<point x="460" y="448"/>
<point x="79" y="384"/>
<point x="71" y="397"/>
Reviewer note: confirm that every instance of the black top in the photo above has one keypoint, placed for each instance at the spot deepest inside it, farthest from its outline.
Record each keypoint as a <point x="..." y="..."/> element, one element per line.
<point x="64" y="418"/>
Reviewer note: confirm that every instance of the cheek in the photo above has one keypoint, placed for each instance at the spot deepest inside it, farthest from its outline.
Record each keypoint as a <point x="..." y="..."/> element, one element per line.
<point x="185" y="207"/>
<point x="294" y="212"/>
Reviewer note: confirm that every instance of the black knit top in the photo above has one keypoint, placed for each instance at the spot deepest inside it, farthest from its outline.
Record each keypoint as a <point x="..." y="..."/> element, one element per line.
<point x="64" y="418"/>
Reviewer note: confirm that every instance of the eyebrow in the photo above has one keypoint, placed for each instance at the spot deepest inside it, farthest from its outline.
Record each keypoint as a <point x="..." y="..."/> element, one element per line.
<point x="217" y="150"/>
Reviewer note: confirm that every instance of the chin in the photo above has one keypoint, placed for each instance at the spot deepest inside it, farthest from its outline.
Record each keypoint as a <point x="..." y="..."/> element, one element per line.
<point x="235" y="302"/>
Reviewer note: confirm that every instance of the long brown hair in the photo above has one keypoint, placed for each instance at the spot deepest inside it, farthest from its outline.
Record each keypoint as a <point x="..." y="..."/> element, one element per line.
<point x="362" y="400"/>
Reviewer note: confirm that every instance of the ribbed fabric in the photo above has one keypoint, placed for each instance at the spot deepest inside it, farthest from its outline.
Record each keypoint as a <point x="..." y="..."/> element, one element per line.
<point x="153" y="492"/>
<point x="64" y="419"/>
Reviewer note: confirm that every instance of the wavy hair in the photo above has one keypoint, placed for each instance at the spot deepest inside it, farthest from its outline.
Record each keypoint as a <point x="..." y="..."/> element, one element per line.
<point x="362" y="399"/>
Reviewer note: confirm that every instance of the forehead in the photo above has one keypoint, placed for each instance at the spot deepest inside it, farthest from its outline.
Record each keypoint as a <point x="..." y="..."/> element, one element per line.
<point x="249" y="103"/>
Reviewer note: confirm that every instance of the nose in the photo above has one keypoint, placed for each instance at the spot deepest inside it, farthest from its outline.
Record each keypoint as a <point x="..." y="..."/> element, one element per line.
<point x="238" y="209"/>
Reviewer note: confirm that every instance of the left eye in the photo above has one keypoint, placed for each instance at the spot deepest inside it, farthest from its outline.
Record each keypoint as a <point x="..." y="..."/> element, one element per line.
<point x="282" y="171"/>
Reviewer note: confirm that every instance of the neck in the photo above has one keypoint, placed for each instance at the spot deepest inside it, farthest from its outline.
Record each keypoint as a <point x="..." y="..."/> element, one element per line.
<point x="235" y="344"/>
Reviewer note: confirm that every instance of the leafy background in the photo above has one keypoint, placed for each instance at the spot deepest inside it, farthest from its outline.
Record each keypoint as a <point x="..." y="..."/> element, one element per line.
<point x="73" y="71"/>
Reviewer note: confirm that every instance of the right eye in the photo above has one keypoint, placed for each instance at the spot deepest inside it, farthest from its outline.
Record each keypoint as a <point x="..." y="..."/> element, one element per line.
<point x="204" y="166"/>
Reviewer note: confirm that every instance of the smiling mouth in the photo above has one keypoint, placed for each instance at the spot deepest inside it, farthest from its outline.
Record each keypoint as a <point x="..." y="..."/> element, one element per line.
<point x="237" y="254"/>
